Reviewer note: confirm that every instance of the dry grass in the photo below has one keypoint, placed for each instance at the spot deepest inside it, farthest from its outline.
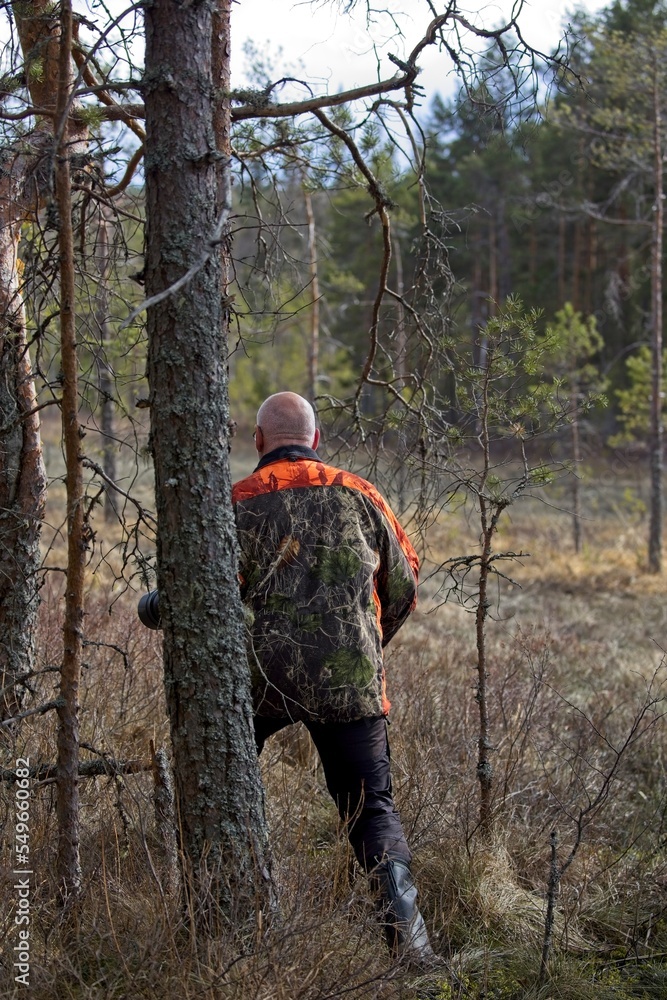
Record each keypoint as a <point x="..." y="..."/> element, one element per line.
<point x="572" y="653"/>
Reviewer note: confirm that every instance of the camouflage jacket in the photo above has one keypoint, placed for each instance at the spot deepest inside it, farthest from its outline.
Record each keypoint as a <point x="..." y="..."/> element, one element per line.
<point x="328" y="576"/>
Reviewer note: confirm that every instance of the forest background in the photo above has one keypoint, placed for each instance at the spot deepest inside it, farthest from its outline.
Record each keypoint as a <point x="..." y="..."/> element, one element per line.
<point x="511" y="358"/>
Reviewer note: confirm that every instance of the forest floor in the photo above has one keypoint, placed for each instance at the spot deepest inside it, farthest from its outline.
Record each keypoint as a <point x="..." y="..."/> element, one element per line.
<point x="577" y="697"/>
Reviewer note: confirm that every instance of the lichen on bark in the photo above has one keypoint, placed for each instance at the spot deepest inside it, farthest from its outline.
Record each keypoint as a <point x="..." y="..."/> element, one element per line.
<point x="218" y="787"/>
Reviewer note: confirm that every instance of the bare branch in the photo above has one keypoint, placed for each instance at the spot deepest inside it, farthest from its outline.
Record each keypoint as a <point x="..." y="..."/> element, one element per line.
<point x="210" y="248"/>
<point x="28" y="675"/>
<point x="48" y="706"/>
<point x="87" y="769"/>
<point x="128" y="175"/>
<point x="98" y="470"/>
<point x="402" y="81"/>
<point x="81" y="59"/>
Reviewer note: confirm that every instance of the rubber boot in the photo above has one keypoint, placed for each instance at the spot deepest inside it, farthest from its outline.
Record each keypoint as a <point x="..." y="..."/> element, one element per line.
<point x="404" y="925"/>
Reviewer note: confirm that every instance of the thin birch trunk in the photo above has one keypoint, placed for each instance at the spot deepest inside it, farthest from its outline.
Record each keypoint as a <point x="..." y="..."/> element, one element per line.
<point x="23" y="178"/>
<point x="22" y="474"/>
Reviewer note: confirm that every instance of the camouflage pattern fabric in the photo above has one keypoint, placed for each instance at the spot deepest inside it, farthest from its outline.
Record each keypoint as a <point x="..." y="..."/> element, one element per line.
<point x="327" y="578"/>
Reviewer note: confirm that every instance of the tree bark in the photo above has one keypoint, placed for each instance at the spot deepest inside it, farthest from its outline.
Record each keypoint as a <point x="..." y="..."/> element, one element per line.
<point x="655" y="525"/>
<point x="26" y="183"/>
<point x="218" y="787"/>
<point x="576" y="264"/>
<point x="314" y="340"/>
<point x="487" y="524"/>
<point x="104" y="379"/>
<point x="561" y="261"/>
<point x="24" y="179"/>
<point x="504" y="251"/>
<point x="400" y="362"/>
<point x="484" y="746"/>
<point x="69" y="865"/>
<point x="576" y="461"/>
<point x="22" y="474"/>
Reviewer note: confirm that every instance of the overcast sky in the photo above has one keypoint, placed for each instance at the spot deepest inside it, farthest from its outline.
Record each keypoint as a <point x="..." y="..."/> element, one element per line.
<point x="335" y="49"/>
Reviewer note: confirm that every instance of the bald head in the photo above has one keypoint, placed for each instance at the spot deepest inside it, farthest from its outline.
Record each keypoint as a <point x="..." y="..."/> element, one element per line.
<point x="285" y="418"/>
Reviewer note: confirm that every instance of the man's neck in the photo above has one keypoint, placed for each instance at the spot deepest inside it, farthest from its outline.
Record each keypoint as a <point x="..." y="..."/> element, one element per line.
<point x="294" y="452"/>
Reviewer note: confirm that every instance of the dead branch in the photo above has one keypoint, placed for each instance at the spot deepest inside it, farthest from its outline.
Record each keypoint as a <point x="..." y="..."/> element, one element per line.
<point x="48" y="706"/>
<point x="128" y="175"/>
<point x="82" y="62"/>
<point x="87" y="769"/>
<point x="211" y="246"/>
<point x="28" y="675"/>
<point x="401" y="81"/>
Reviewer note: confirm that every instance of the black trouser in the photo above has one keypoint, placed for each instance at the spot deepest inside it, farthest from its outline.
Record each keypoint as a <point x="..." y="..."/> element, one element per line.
<point x="355" y="758"/>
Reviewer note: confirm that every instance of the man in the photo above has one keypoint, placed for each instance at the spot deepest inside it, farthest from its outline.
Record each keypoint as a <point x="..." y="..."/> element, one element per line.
<point x="328" y="576"/>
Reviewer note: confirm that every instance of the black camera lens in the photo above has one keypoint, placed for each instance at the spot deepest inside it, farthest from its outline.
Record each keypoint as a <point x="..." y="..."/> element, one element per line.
<point x="149" y="610"/>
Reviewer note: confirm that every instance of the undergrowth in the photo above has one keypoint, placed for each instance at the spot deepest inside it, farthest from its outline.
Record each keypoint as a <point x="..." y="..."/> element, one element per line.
<point x="575" y="656"/>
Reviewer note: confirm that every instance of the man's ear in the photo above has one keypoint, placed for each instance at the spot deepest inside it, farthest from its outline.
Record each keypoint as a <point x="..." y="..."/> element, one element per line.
<point x="316" y="439"/>
<point x="259" y="440"/>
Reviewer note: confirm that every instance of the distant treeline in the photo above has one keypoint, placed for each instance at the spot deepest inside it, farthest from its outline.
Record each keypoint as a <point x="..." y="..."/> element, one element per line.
<point x="553" y="204"/>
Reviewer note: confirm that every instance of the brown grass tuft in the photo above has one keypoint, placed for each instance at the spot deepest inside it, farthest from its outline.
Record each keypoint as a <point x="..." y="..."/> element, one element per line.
<point x="573" y="653"/>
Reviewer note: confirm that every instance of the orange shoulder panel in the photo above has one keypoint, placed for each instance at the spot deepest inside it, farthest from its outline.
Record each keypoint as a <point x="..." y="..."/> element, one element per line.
<point x="288" y="475"/>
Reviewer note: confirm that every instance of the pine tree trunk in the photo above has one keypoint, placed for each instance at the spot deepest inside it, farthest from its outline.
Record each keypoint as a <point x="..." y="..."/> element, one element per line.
<point x="484" y="746"/>
<point x="656" y="446"/>
<point x="400" y="362"/>
<point x="576" y="478"/>
<point x="576" y="264"/>
<point x="314" y="340"/>
<point x="400" y="368"/>
<point x="218" y="788"/>
<point x="504" y="252"/>
<point x="104" y="379"/>
<point x="69" y="865"/>
<point x="561" y="261"/>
